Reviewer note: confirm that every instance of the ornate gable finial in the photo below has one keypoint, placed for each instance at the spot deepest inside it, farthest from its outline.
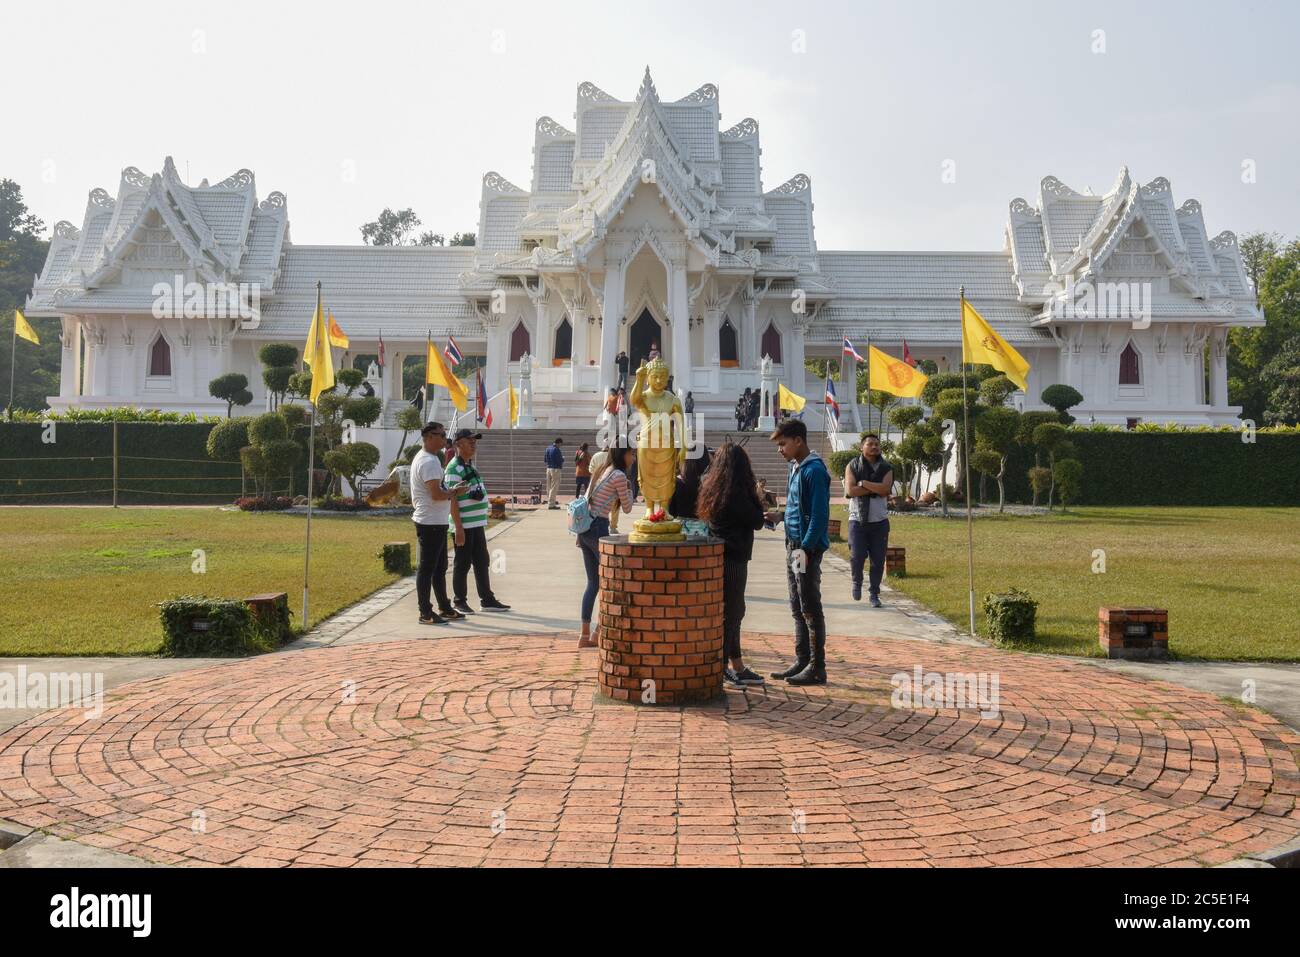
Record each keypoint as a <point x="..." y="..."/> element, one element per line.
<point x="1225" y="240"/>
<point x="1190" y="208"/>
<point x="1157" y="186"/>
<point x="499" y="184"/>
<point x="1051" y="186"/>
<point x="746" y="127"/>
<point x="238" y="180"/>
<point x="548" y="127"/>
<point x="273" y="203"/>
<point x="647" y="91"/>
<point x="99" y="198"/>
<point x="799" y="183"/>
<point x="705" y="94"/>
<point x="65" y="230"/>
<point x="133" y="177"/>
<point x="1020" y="207"/>
<point x="590" y="91"/>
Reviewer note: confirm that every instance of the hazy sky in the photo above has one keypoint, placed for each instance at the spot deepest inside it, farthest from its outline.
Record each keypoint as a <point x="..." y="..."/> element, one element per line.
<point x="421" y="99"/>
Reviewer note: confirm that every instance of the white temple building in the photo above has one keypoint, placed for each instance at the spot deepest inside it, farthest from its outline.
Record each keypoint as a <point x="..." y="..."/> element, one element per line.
<point x="649" y="224"/>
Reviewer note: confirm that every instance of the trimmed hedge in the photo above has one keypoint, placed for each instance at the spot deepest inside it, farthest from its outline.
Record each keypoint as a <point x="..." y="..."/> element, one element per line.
<point x="197" y="625"/>
<point x="159" y="463"/>
<point x="1173" y="468"/>
<point x="1011" y="616"/>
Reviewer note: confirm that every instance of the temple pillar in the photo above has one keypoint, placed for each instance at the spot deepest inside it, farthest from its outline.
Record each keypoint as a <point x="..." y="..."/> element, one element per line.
<point x="679" y="313"/>
<point x="70" y="360"/>
<point x="1219" y="368"/>
<point x="613" y="314"/>
<point x="496" y="354"/>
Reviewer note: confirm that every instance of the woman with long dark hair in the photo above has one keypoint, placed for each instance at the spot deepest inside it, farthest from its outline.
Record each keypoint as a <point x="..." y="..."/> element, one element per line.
<point x="687" y="493"/>
<point x="729" y="502"/>
<point x="611" y="490"/>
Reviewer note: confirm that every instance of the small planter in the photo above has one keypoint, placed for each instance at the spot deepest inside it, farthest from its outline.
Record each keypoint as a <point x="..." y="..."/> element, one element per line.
<point x="1011" y="616"/>
<point x="833" y="528"/>
<point x="396" y="557"/>
<point x="497" y="508"/>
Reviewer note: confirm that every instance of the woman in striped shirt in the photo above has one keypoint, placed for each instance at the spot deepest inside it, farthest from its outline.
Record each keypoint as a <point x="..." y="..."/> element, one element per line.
<point x="609" y="485"/>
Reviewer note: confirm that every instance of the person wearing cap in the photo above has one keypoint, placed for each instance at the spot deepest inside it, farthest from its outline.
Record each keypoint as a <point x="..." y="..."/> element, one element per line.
<point x="470" y="515"/>
<point x="433" y="506"/>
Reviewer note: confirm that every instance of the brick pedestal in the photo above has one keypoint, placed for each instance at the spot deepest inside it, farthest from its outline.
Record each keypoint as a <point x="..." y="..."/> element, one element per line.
<point x="660" y="621"/>
<point x="1133" y="632"/>
<point x="896" y="561"/>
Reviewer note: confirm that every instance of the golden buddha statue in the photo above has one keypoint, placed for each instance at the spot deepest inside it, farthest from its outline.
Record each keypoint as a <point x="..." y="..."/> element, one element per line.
<point x="660" y="451"/>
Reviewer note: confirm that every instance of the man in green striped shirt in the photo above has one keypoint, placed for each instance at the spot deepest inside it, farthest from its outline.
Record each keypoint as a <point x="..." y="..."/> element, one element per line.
<point x="471" y="518"/>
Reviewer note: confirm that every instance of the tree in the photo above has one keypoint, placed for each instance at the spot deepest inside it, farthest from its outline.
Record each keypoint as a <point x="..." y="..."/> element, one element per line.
<point x="995" y="431"/>
<point x="1040" y="480"/>
<point x="22" y="255"/>
<point x="408" y="420"/>
<point x="1274" y="269"/>
<point x="351" y="461"/>
<point x="995" y="390"/>
<point x="1062" y="398"/>
<point x="962" y="409"/>
<point x="227" y="438"/>
<point x="1050" y="437"/>
<point x="232" y="389"/>
<point x="278" y="359"/>
<point x="1281" y="380"/>
<point x="270" y="452"/>
<point x="1068" y="475"/>
<point x="395" y="229"/>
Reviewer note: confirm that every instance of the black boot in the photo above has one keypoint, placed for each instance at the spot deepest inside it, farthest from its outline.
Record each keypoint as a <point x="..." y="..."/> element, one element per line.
<point x="798" y="666"/>
<point x="802" y="654"/>
<point x="815" y="673"/>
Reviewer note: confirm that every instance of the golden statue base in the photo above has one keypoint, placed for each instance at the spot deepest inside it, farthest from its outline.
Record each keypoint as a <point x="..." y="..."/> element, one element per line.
<point x="646" y="532"/>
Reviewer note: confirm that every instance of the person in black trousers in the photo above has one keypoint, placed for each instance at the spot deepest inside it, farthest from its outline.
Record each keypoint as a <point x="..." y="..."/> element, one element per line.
<point x="729" y="502"/>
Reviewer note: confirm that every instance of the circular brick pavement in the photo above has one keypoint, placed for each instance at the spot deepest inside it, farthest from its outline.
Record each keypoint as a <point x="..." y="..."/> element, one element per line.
<point x="490" y="751"/>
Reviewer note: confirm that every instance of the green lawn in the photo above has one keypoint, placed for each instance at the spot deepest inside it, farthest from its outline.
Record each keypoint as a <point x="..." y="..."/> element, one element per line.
<point x="86" y="581"/>
<point x="1230" y="577"/>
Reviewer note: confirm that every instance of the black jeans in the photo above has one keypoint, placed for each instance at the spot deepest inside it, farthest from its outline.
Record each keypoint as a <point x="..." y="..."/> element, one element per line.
<point x="581" y="482"/>
<point x="868" y="540"/>
<point x="473" y="552"/>
<point x="806" y="607"/>
<point x="735" y="575"/>
<point x="589" y="542"/>
<point x="432" y="569"/>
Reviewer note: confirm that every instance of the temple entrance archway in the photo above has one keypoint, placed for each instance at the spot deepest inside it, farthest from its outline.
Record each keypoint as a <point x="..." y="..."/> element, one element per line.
<point x="645" y="332"/>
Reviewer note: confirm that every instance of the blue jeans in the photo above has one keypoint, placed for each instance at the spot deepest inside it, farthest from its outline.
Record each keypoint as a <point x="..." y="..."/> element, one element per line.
<point x="868" y="540"/>
<point x="589" y="542"/>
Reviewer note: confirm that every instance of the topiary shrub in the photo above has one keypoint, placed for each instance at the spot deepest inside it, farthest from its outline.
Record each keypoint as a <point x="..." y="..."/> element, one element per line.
<point x="227" y="438"/>
<point x="198" y="625"/>
<point x="1010" y="616"/>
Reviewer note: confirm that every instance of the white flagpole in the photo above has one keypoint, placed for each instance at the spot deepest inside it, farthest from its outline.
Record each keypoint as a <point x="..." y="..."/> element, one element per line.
<point x="13" y="349"/>
<point x="965" y="428"/>
<point x="311" y="468"/>
<point x="510" y="422"/>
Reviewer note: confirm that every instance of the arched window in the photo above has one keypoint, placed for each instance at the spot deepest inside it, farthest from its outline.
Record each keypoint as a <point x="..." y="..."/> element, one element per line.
<point x="1130" y="370"/>
<point x="563" y="342"/>
<point x="728" y="350"/>
<point x="520" y="342"/>
<point x="160" y="357"/>
<point x="771" y="344"/>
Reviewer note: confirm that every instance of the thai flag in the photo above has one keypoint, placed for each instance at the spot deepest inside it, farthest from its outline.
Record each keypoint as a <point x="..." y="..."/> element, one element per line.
<point x="832" y="406"/>
<point x="453" y="353"/>
<point x="850" y="351"/>
<point x="907" y="355"/>
<point x="381" y="350"/>
<point x="483" y="411"/>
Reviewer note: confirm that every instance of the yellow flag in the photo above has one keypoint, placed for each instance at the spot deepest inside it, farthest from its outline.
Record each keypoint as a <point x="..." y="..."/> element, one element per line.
<point x="337" y="335"/>
<point x="785" y="399"/>
<point x="24" y="328"/>
<point x="980" y="344"/>
<point x="894" y="375"/>
<point x="437" y="373"/>
<point x="316" y="353"/>
<point x="514" y="403"/>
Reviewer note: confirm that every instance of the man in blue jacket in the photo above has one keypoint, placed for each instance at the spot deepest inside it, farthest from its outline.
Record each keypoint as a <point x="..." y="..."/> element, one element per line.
<point x="806" y="517"/>
<point x="554" y="470"/>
